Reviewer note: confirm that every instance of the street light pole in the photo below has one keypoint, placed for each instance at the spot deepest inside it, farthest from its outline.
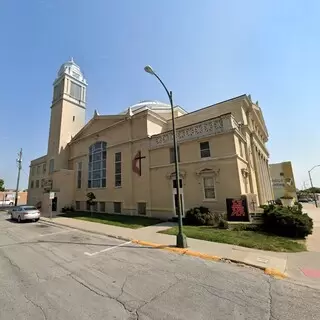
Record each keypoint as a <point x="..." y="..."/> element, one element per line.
<point x="312" y="188"/>
<point x="181" y="238"/>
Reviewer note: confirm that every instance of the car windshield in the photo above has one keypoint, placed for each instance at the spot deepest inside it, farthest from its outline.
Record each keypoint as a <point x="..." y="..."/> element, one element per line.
<point x="29" y="208"/>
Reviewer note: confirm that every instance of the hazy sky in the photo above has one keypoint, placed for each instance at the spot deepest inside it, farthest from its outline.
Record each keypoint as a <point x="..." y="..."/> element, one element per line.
<point x="205" y="50"/>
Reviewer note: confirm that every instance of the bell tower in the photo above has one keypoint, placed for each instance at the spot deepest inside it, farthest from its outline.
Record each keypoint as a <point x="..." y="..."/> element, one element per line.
<point x="68" y="110"/>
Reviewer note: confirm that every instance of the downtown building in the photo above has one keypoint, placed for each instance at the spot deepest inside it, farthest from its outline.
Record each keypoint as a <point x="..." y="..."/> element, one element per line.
<point x="127" y="159"/>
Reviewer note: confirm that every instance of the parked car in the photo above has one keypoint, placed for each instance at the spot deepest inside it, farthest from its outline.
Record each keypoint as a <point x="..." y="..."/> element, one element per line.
<point x="6" y="203"/>
<point x="23" y="213"/>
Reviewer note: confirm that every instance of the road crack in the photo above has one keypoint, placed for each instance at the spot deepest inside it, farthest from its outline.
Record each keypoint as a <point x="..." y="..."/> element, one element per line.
<point x="37" y="306"/>
<point x="12" y="263"/>
<point x="271" y="316"/>
<point x="103" y="294"/>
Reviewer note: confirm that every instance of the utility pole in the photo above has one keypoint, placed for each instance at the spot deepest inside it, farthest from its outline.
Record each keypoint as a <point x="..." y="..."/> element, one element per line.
<point x="19" y="161"/>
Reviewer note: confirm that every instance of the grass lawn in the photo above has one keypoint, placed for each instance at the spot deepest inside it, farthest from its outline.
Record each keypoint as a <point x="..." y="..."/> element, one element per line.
<point x="133" y="222"/>
<point x="249" y="239"/>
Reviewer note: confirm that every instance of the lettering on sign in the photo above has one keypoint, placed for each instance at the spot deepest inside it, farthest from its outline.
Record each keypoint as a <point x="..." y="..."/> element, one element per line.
<point x="237" y="209"/>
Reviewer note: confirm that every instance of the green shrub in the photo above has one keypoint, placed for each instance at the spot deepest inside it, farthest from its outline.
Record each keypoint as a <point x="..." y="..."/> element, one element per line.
<point x="223" y="224"/>
<point x="287" y="222"/>
<point x="200" y="216"/>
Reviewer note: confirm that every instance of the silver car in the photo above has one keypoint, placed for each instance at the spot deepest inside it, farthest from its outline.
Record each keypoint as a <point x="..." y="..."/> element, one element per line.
<point x="23" y="213"/>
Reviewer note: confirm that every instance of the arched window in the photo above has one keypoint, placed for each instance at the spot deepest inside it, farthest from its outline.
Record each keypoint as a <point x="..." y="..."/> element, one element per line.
<point x="97" y="172"/>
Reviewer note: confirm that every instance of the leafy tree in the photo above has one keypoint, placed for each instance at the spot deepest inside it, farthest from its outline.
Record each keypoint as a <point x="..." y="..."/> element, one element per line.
<point x="311" y="190"/>
<point x="2" y="185"/>
<point x="91" y="200"/>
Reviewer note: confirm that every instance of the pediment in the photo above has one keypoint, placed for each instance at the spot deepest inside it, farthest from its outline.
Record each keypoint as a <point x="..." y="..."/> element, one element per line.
<point x="97" y="124"/>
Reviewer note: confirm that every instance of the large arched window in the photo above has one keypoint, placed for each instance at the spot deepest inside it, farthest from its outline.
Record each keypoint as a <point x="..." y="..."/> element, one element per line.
<point x="97" y="172"/>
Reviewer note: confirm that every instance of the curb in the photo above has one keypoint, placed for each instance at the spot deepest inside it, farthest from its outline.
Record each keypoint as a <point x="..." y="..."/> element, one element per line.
<point x="85" y="230"/>
<point x="269" y="271"/>
<point x="179" y="250"/>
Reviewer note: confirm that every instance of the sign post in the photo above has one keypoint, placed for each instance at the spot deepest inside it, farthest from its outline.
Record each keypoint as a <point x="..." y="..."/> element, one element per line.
<point x="51" y="197"/>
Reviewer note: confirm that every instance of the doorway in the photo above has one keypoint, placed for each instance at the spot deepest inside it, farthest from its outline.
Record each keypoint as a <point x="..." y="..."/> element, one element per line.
<point x="175" y="197"/>
<point x="54" y="204"/>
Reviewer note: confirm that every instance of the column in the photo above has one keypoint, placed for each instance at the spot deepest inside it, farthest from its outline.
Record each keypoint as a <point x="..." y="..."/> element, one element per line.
<point x="265" y="179"/>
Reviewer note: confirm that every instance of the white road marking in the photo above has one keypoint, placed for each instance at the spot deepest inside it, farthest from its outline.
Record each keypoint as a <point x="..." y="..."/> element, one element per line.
<point x="104" y="250"/>
<point x="54" y="233"/>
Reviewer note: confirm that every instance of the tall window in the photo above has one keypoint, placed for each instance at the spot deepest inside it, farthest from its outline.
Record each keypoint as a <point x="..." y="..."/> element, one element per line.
<point x="205" y="149"/>
<point x="75" y="90"/>
<point x="97" y="165"/>
<point x="44" y="168"/>
<point x="38" y="170"/>
<point x="172" y="155"/>
<point x="51" y="165"/>
<point x="58" y="90"/>
<point x="209" y="188"/>
<point x="117" y="169"/>
<point x="79" y="175"/>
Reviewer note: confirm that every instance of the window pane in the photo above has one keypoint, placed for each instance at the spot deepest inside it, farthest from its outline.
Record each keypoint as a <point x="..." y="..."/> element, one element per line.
<point x="118" y="180"/>
<point x="118" y="167"/>
<point x="208" y="182"/>
<point x="96" y="174"/>
<point x="118" y="157"/>
<point x="75" y="91"/>
<point x="96" y="183"/>
<point x="96" y="165"/>
<point x="97" y="156"/>
<point x="209" y="193"/>
<point x="204" y="145"/>
<point x="205" y="153"/>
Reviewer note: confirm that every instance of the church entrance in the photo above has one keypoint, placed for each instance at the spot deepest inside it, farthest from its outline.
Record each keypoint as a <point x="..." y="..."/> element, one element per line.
<point x="54" y="204"/>
<point x="175" y="197"/>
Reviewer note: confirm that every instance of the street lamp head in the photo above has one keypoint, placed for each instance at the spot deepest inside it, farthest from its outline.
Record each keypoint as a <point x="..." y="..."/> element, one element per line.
<point x="149" y="69"/>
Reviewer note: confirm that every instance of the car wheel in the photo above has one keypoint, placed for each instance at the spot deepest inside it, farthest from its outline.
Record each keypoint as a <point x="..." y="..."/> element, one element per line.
<point x="11" y="217"/>
<point x="36" y="220"/>
<point x="19" y="219"/>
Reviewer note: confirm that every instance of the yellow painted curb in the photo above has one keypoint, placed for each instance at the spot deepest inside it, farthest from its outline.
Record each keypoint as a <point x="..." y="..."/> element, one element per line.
<point x="178" y="250"/>
<point x="275" y="273"/>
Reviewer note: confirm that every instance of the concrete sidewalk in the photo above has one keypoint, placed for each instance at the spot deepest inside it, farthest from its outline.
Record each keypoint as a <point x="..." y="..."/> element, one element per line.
<point x="265" y="260"/>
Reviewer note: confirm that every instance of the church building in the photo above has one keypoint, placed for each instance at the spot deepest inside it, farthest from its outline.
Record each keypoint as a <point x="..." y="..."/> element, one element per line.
<point x="127" y="159"/>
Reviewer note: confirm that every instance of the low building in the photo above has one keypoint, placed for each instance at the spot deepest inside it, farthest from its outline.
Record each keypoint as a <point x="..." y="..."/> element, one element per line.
<point x="127" y="159"/>
<point x="283" y="182"/>
<point x="8" y="197"/>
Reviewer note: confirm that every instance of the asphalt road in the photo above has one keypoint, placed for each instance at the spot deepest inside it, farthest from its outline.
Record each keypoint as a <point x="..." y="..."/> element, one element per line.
<point x="48" y="272"/>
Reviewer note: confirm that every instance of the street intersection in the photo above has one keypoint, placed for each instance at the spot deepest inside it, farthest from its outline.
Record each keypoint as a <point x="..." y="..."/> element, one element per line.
<point x="51" y="272"/>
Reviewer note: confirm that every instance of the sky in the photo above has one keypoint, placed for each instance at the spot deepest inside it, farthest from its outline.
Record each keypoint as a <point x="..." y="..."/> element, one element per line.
<point x="206" y="51"/>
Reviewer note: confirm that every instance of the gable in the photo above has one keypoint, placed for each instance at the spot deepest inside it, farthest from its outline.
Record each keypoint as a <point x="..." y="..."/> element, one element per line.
<point x="95" y="125"/>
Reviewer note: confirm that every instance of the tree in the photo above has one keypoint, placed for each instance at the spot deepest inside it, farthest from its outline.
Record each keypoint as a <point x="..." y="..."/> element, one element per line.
<point x="91" y="200"/>
<point x="2" y="185"/>
<point x="311" y="190"/>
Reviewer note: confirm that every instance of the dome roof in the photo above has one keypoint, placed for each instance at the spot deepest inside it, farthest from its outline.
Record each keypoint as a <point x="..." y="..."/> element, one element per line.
<point x="153" y="105"/>
<point x="72" y="69"/>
